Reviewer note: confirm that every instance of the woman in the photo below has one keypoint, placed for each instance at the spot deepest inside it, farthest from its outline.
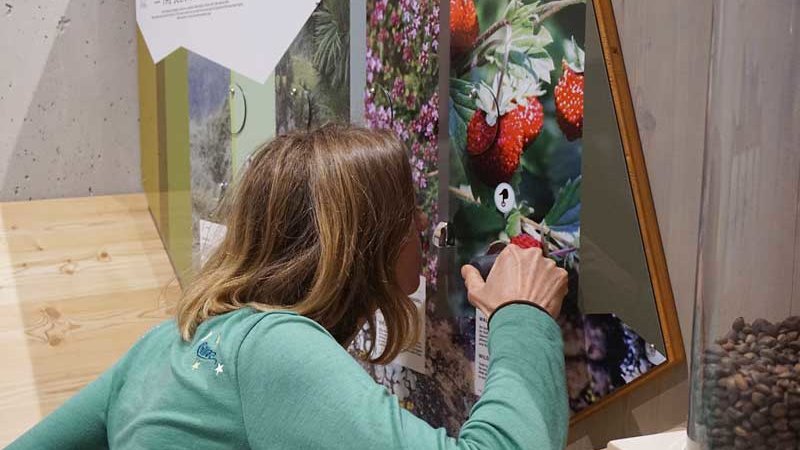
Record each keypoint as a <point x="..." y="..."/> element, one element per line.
<point x="322" y="232"/>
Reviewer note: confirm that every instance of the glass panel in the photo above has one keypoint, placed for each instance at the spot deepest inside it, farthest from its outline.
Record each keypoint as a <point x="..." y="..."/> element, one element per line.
<point x="614" y="274"/>
<point x="746" y="341"/>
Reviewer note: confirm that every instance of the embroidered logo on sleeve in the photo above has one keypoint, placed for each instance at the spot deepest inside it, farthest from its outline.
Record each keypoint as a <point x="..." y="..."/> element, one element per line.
<point x="205" y="353"/>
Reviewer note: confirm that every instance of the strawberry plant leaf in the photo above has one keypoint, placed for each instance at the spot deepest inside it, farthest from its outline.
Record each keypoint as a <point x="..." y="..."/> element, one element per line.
<point x="542" y="65"/>
<point x="482" y="192"/>
<point x="465" y="114"/>
<point x="536" y="190"/>
<point x="461" y="92"/>
<point x="473" y="221"/>
<point x="523" y="38"/>
<point x="574" y="55"/>
<point x="531" y="162"/>
<point x="515" y="179"/>
<point x="461" y="101"/>
<point x="563" y="163"/>
<point x="565" y="213"/>
<point x="514" y="224"/>
<point x="539" y="67"/>
<point x="457" y="129"/>
<point x="458" y="175"/>
<point x="521" y="61"/>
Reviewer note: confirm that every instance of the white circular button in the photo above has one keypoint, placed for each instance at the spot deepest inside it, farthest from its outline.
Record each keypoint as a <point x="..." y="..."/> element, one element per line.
<point x="504" y="198"/>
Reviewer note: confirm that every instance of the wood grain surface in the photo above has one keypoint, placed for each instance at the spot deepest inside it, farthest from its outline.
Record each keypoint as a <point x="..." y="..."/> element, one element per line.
<point x="80" y="281"/>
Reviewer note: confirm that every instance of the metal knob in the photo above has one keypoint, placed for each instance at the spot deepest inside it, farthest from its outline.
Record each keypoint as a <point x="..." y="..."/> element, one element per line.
<point x="443" y="236"/>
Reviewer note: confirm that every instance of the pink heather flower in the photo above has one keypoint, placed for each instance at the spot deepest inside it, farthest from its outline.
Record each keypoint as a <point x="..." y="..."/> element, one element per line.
<point x="378" y="13"/>
<point x="407" y="51"/>
<point x="399" y="87"/>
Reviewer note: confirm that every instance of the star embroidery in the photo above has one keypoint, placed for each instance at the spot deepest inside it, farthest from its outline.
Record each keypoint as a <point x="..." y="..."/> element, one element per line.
<point x="218" y="370"/>
<point x="196" y="365"/>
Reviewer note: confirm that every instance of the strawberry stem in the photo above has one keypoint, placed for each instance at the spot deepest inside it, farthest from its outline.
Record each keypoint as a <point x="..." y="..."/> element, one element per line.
<point x="542" y="229"/>
<point x="502" y="75"/>
<point x="488" y="33"/>
<point x="550" y="8"/>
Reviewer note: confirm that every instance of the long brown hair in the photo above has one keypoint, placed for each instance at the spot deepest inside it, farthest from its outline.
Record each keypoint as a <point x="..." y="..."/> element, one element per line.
<point x="316" y="225"/>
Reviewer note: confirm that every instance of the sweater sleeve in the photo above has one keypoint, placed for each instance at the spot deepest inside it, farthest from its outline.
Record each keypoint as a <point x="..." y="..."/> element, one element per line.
<point x="300" y="389"/>
<point x="80" y="423"/>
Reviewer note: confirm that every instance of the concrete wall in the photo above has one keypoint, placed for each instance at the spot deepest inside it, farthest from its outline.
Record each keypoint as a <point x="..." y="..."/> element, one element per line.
<point x="68" y="99"/>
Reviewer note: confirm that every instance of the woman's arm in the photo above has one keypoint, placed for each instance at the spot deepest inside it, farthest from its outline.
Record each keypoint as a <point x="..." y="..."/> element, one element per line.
<point x="78" y="424"/>
<point x="300" y="389"/>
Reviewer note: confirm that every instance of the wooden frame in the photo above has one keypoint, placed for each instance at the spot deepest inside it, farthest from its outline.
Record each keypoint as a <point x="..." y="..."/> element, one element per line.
<point x="645" y="209"/>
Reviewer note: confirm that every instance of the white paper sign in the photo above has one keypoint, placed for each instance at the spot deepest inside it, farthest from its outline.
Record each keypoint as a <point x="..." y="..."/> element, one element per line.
<point x="481" y="365"/>
<point x="247" y="36"/>
<point x="413" y="358"/>
<point x="211" y="235"/>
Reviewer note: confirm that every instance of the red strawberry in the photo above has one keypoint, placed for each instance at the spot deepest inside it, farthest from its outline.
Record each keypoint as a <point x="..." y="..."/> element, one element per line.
<point x="479" y="134"/>
<point x="463" y="26"/>
<point x="525" y="240"/>
<point x="524" y="122"/>
<point x="517" y="128"/>
<point x="498" y="164"/>
<point x="569" y="102"/>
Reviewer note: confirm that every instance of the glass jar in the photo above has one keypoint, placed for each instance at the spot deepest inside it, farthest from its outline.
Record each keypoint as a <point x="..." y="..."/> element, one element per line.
<point x="745" y="366"/>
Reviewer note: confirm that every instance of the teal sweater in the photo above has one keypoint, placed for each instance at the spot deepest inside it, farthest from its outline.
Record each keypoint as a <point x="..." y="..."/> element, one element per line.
<point x="278" y="380"/>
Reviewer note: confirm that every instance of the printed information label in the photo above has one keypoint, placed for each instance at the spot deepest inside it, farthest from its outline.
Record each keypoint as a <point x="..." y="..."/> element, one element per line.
<point x="246" y="36"/>
<point x="413" y="358"/>
<point x="481" y="365"/>
<point x="211" y="235"/>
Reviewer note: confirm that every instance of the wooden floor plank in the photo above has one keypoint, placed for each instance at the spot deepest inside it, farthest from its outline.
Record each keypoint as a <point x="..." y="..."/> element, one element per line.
<point x="80" y="281"/>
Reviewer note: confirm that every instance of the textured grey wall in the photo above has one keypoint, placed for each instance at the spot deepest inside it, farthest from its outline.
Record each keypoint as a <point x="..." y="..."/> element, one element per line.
<point x="68" y="99"/>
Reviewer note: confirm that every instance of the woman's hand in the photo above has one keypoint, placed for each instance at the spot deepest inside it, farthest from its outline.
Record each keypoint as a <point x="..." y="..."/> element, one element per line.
<point x="517" y="274"/>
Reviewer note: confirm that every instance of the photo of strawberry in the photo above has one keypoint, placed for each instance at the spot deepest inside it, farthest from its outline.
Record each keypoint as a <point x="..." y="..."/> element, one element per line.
<point x="498" y="163"/>
<point x="525" y="240"/>
<point x="523" y="123"/>
<point x="569" y="103"/>
<point x="463" y="26"/>
<point x="480" y="135"/>
<point x="569" y="95"/>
